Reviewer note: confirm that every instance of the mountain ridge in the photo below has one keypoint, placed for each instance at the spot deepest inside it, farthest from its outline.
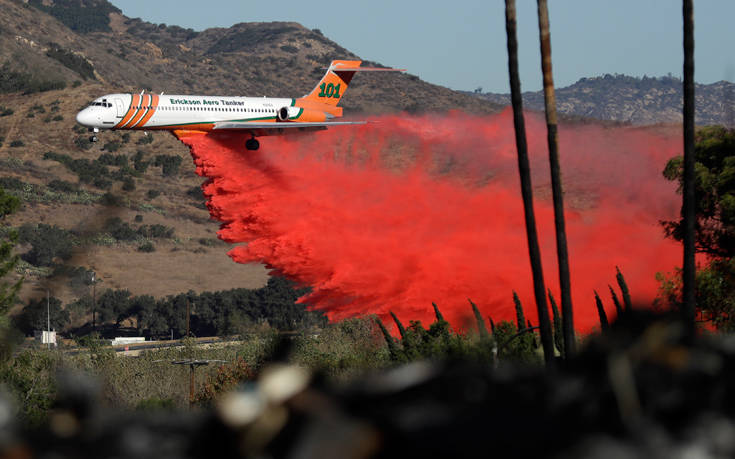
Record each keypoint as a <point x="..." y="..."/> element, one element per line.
<point x="634" y="100"/>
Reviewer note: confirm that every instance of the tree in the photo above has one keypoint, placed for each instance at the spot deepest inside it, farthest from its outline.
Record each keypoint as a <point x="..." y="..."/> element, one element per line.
<point x="37" y="313"/>
<point x="524" y="170"/>
<point x="48" y="243"/>
<point x="715" y="190"/>
<point x="714" y="182"/>
<point x="8" y="260"/>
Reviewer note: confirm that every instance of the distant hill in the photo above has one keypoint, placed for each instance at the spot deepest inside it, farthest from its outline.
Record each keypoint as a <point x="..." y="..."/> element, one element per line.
<point x="634" y="100"/>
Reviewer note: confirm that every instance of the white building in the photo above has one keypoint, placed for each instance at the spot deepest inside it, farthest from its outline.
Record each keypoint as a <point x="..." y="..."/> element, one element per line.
<point x="45" y="337"/>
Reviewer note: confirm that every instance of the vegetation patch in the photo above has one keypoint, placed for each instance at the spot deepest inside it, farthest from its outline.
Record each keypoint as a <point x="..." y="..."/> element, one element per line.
<point x="252" y="36"/>
<point x="72" y="61"/>
<point x="26" y="83"/>
<point x="81" y="16"/>
<point x="49" y="243"/>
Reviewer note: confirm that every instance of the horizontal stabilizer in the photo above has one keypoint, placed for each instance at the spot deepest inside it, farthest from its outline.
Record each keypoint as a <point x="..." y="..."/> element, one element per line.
<point x="363" y="69"/>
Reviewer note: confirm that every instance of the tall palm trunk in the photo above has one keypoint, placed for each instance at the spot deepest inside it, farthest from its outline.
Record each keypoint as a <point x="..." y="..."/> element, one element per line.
<point x="688" y="210"/>
<point x="526" y="191"/>
<point x="567" y="315"/>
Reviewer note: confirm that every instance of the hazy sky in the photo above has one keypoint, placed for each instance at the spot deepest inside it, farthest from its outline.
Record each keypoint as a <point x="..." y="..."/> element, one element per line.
<point x="461" y="44"/>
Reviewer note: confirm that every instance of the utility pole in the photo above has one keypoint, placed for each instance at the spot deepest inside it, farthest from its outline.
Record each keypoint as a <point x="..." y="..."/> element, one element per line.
<point x="94" y="302"/>
<point x="524" y="171"/>
<point x="93" y="281"/>
<point x="48" y="320"/>
<point x="188" y="315"/>
<point x="193" y="364"/>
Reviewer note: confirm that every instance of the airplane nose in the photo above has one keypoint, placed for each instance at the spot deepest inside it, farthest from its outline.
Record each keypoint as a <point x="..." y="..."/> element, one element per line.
<point x="86" y="118"/>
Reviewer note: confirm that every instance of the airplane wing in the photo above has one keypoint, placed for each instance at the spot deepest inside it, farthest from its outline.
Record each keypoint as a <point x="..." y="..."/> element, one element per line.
<point x="276" y="128"/>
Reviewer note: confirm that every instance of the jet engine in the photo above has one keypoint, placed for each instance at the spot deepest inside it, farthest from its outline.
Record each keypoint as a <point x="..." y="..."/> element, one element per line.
<point x="283" y="114"/>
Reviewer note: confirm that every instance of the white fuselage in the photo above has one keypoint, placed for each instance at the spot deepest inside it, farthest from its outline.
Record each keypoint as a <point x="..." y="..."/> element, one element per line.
<point x="158" y="111"/>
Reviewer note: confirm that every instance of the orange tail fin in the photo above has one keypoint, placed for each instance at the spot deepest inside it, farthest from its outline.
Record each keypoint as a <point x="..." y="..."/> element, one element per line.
<point x="333" y="84"/>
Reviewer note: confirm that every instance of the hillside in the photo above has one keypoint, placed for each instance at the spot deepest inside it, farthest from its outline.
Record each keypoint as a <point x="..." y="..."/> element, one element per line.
<point x="634" y="100"/>
<point x="273" y="59"/>
<point x="129" y="207"/>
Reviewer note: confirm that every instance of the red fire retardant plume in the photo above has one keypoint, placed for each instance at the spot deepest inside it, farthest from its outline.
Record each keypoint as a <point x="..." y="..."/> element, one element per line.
<point x="408" y="210"/>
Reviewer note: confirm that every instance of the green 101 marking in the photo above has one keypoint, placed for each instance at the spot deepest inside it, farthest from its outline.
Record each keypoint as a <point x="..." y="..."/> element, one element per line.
<point x="329" y="90"/>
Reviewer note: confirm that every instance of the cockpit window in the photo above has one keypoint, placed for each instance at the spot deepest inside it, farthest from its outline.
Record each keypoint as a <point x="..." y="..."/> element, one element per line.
<point x="100" y="104"/>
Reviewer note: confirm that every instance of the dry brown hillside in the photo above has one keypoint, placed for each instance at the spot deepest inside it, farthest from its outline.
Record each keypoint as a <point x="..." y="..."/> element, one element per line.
<point x="86" y="48"/>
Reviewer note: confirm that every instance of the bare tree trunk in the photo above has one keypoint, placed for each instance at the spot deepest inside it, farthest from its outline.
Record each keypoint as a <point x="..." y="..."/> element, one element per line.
<point x="526" y="190"/>
<point x="567" y="315"/>
<point x="688" y="211"/>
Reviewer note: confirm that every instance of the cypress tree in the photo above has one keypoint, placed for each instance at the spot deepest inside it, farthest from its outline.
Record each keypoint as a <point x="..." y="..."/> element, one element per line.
<point x="392" y="348"/>
<point x="520" y="319"/>
<point x="481" y="328"/>
<point x="624" y="288"/>
<point x="530" y="330"/>
<point x="601" y="312"/>
<point x="401" y="328"/>
<point x="405" y="341"/>
<point x="556" y="320"/>
<point x="437" y="313"/>
<point x="618" y="308"/>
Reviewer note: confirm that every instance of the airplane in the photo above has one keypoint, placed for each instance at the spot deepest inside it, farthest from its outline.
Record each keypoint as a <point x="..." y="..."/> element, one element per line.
<point x="253" y="116"/>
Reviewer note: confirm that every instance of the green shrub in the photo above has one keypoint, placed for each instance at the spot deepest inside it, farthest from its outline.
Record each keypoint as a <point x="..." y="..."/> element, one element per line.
<point x="71" y="61"/>
<point x="4" y="111"/>
<point x="11" y="183"/>
<point x="145" y="140"/>
<point x="47" y="243"/>
<point x="79" y="16"/>
<point x="79" y="129"/>
<point x="147" y="247"/>
<point x="63" y="186"/>
<point x="152" y="194"/>
<point x="156" y="231"/>
<point x="169" y="164"/>
<point x="112" y="147"/>
<point x="229" y="376"/>
<point x="57" y="118"/>
<point x="196" y="193"/>
<point x="112" y="160"/>
<point x="110" y="199"/>
<point x="82" y="142"/>
<point x="12" y="81"/>
<point x="156" y="404"/>
<point x="138" y="163"/>
<point x="128" y="184"/>
<point x="76" y="84"/>
<point x="30" y="376"/>
<point x="207" y="242"/>
<point x="102" y="183"/>
<point x="126" y="137"/>
<point x="120" y="230"/>
<point x="17" y="143"/>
